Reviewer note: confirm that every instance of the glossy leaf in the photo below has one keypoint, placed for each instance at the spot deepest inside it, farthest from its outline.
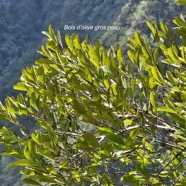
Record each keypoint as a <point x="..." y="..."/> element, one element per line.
<point x="165" y="109"/>
<point x="152" y="99"/>
<point x="30" y="181"/>
<point x="156" y="74"/>
<point x="43" y="61"/>
<point x="116" y="139"/>
<point x="20" y="86"/>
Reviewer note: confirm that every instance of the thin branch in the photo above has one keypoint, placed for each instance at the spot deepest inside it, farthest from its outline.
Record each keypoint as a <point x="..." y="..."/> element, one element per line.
<point x="168" y="144"/>
<point x="178" y="178"/>
<point x="61" y="133"/>
<point x="146" y="113"/>
<point x="178" y="166"/>
<point x="169" y="162"/>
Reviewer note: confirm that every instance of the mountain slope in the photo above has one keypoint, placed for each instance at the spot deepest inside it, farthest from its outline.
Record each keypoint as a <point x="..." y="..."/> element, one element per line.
<point x="133" y="16"/>
<point x="22" y="22"/>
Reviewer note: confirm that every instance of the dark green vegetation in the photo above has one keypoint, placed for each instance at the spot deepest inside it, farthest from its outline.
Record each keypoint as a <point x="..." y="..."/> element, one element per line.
<point x="23" y="21"/>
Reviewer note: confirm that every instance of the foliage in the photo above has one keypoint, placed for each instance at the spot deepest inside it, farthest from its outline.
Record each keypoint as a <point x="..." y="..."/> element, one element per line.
<point x="100" y="119"/>
<point x="21" y="23"/>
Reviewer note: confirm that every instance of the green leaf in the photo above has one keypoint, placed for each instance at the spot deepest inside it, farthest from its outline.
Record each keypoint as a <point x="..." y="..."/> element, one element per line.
<point x="20" y="86"/>
<point x="152" y="99"/>
<point x="43" y="61"/>
<point x="106" y="82"/>
<point x="134" y="133"/>
<point x="52" y="35"/>
<point x="108" y="117"/>
<point x="47" y="179"/>
<point x="104" y="129"/>
<point x="114" y="89"/>
<point x="165" y="109"/>
<point x="181" y="2"/>
<point x="45" y="153"/>
<point x="87" y="142"/>
<point x="40" y="74"/>
<point x="155" y="55"/>
<point x="76" y="42"/>
<point x="154" y="31"/>
<point x="90" y="139"/>
<point x="116" y="139"/>
<point x="131" y="56"/>
<point x="143" y="169"/>
<point x="59" y="39"/>
<point x="178" y="119"/>
<point x="169" y="103"/>
<point x="78" y="106"/>
<point x="30" y="181"/>
<point x="138" y="39"/>
<point x="69" y="42"/>
<point x="128" y="122"/>
<point x="88" y="118"/>
<point x="7" y="139"/>
<point x="146" y="53"/>
<point x="36" y="137"/>
<point x="94" y="58"/>
<point x="130" y="179"/>
<point x="106" y="70"/>
<point x="120" y="57"/>
<point x="171" y="78"/>
<point x="51" y="45"/>
<point x="31" y="147"/>
<point x="23" y="163"/>
<point x="164" y="28"/>
<point x="27" y="153"/>
<point x="173" y="56"/>
<point x="157" y="75"/>
<point x="45" y="92"/>
<point x="51" y="133"/>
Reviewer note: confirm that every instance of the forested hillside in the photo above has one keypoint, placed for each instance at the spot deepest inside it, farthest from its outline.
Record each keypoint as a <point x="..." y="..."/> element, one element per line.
<point x="22" y="21"/>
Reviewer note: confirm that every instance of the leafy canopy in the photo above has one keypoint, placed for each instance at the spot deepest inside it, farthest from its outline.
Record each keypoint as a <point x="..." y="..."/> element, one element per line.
<point x="89" y="117"/>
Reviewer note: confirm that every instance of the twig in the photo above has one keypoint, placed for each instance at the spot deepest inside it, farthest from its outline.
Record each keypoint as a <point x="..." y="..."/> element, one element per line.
<point x="169" y="162"/>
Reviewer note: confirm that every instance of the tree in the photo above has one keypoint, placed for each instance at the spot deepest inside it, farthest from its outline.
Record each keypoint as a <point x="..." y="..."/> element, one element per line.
<point x="89" y="117"/>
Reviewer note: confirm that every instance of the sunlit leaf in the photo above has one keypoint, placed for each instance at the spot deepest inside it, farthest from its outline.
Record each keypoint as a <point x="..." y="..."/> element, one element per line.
<point x="157" y="75"/>
<point x="165" y="109"/>
<point x="30" y="181"/>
